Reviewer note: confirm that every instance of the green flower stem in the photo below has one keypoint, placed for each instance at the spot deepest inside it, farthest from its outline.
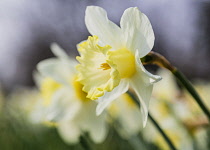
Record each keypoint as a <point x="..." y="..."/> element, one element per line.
<point x="164" y="135"/>
<point x="186" y="83"/>
<point x="157" y="59"/>
<point x="85" y="144"/>
<point x="167" y="139"/>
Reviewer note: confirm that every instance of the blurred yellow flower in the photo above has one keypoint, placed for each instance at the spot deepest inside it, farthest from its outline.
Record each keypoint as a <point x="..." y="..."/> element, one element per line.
<point x="48" y="87"/>
<point x="23" y="101"/>
<point x="110" y="59"/>
<point x="68" y="108"/>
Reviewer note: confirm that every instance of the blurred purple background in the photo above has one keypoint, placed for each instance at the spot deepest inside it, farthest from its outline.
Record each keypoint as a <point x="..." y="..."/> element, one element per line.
<point x="27" y="27"/>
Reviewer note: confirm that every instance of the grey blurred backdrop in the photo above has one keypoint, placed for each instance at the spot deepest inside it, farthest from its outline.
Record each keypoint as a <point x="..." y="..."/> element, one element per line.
<point x="27" y="27"/>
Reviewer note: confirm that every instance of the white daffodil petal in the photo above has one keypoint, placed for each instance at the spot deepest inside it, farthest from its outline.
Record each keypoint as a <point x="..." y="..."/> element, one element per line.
<point x="137" y="31"/>
<point x="98" y="131"/>
<point x="143" y="88"/>
<point x="94" y="125"/>
<point x="56" y="69"/>
<point x="69" y="132"/>
<point x="142" y="83"/>
<point x="140" y="67"/>
<point x="98" y="24"/>
<point x="108" y="97"/>
<point x="61" y="54"/>
<point x="58" y="51"/>
<point x="97" y="127"/>
<point x="63" y="106"/>
<point x="38" y="78"/>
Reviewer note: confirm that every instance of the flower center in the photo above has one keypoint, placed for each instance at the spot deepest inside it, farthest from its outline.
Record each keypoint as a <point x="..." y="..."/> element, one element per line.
<point x="124" y="60"/>
<point x="105" y="66"/>
<point x="48" y="87"/>
<point x="79" y="92"/>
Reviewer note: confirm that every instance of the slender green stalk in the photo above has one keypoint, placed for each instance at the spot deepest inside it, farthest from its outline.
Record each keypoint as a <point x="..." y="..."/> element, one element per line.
<point x="85" y="144"/>
<point x="186" y="83"/>
<point x="166" y="138"/>
<point x="164" y="135"/>
<point x="157" y="59"/>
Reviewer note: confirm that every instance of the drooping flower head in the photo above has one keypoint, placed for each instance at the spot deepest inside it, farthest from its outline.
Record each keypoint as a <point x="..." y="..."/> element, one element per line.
<point x="110" y="58"/>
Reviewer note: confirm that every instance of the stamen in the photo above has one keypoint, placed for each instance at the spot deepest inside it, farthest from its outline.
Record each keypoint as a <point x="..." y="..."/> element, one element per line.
<point x="104" y="66"/>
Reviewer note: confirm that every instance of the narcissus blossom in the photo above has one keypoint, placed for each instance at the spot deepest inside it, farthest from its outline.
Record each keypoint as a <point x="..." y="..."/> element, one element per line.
<point x="65" y="102"/>
<point x="110" y="58"/>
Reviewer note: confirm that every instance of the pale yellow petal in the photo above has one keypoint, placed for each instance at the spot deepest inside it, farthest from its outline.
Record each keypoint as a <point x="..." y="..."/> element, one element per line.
<point x="96" y="72"/>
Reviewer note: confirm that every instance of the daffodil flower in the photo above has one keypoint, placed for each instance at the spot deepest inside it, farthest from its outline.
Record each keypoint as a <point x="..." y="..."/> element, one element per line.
<point x="110" y="58"/>
<point x="65" y="101"/>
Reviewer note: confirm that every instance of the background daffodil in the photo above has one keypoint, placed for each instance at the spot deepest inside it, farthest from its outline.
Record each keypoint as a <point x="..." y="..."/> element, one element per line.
<point x="110" y="59"/>
<point x="67" y="104"/>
